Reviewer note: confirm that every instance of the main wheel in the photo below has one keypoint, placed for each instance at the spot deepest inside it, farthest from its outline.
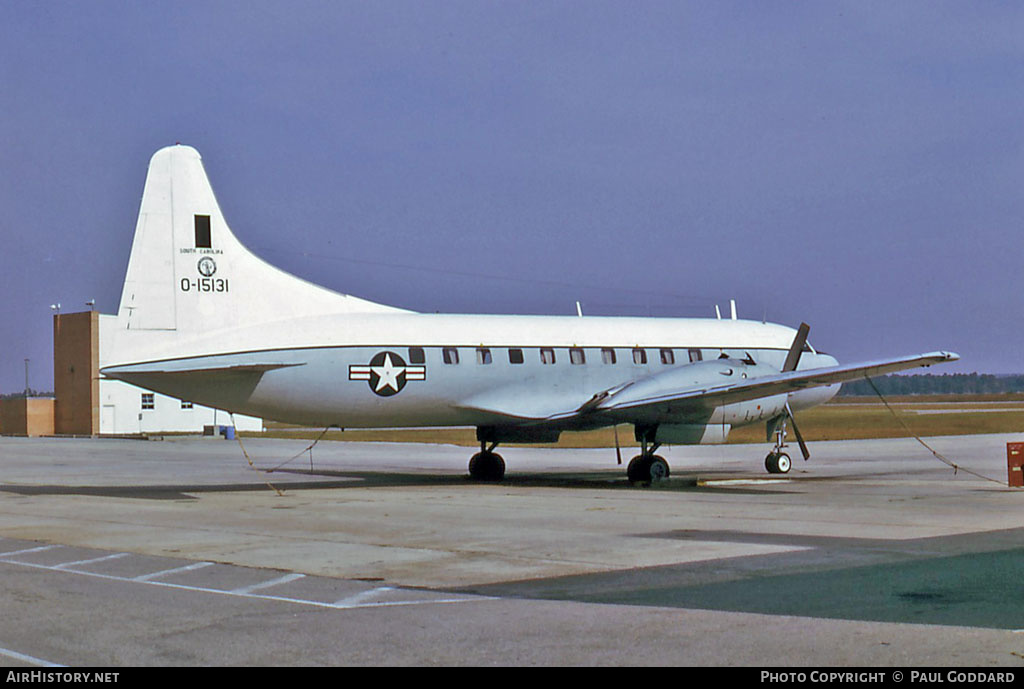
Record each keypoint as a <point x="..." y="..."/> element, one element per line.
<point x="777" y="463"/>
<point x="487" y="466"/>
<point x="647" y="469"/>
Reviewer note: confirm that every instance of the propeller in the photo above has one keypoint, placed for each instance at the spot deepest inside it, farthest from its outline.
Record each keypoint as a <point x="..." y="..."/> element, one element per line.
<point x="792" y="360"/>
<point x="796" y="349"/>
<point x="796" y="431"/>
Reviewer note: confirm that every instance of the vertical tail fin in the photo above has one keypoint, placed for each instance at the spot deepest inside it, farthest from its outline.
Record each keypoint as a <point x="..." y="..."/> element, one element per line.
<point x="189" y="274"/>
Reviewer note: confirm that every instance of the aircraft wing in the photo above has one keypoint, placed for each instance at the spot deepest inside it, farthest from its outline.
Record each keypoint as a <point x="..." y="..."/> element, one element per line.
<point x="660" y="390"/>
<point x="687" y="390"/>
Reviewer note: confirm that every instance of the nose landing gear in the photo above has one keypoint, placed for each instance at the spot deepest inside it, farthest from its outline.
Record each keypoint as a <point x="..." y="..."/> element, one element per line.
<point x="777" y="463"/>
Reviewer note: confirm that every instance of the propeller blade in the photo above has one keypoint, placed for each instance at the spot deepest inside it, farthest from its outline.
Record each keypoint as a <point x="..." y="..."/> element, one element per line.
<point x="618" y="452"/>
<point x="793" y="358"/>
<point x="799" y="438"/>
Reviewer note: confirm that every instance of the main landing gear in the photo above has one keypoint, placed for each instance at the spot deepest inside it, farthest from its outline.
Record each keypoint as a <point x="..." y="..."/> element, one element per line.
<point x="647" y="468"/>
<point x="487" y="465"/>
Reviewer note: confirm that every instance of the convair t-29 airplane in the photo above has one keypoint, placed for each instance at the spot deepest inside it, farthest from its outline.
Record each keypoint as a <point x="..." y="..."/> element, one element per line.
<point x="203" y="319"/>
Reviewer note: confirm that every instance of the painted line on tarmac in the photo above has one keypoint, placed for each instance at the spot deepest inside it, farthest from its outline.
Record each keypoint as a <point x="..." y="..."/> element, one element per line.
<point x="24" y="551"/>
<point x="267" y="584"/>
<point x="90" y="561"/>
<point x="742" y="481"/>
<point x="31" y="660"/>
<point x="344" y="604"/>
<point x="146" y="578"/>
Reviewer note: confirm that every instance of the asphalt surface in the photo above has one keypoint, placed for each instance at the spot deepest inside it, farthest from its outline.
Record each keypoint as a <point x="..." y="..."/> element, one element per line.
<point x="874" y="553"/>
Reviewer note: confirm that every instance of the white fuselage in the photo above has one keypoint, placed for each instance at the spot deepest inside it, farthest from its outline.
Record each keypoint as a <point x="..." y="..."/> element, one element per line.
<point x="442" y="370"/>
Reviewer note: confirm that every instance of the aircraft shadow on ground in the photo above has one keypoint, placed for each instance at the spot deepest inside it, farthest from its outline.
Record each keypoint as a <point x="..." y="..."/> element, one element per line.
<point x="336" y="479"/>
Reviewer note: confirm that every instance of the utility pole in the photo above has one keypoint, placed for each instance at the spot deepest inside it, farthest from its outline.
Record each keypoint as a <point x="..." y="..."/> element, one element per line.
<point x="26" y="378"/>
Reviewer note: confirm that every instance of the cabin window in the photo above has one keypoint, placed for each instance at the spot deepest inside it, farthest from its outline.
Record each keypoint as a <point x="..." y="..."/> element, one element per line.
<point x="148" y="401"/>
<point x="639" y="356"/>
<point x="186" y="405"/>
<point x="203" y="232"/>
<point x="668" y="356"/>
<point x="515" y="356"/>
<point x="607" y="356"/>
<point x="416" y="355"/>
<point x="547" y="355"/>
<point x="576" y="356"/>
<point x="695" y="355"/>
<point x="483" y="355"/>
<point x="450" y="355"/>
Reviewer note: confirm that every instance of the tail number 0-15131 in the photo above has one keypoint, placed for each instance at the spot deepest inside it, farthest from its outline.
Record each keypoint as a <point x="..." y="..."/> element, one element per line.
<point x="205" y="285"/>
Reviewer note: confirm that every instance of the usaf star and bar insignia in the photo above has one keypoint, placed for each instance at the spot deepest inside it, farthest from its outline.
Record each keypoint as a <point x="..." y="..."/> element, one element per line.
<point x="387" y="373"/>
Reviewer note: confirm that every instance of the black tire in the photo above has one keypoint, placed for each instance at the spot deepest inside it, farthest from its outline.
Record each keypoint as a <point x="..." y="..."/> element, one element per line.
<point x="778" y="463"/>
<point x="659" y="470"/>
<point x="647" y="469"/>
<point x="639" y="470"/>
<point x="487" y="466"/>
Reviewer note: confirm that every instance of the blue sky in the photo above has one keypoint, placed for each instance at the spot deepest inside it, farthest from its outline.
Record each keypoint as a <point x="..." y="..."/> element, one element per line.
<point x="855" y="165"/>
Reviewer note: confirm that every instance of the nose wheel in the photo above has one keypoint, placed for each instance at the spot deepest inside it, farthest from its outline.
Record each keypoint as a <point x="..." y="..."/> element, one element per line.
<point x="777" y="463"/>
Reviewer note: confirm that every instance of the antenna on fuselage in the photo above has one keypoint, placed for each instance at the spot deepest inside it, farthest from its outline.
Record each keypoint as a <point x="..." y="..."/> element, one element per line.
<point x="732" y="308"/>
<point x="579" y="310"/>
<point x="718" y="312"/>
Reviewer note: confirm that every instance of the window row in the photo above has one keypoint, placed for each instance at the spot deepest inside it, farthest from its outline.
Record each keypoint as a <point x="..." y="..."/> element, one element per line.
<point x="148" y="402"/>
<point x="577" y="355"/>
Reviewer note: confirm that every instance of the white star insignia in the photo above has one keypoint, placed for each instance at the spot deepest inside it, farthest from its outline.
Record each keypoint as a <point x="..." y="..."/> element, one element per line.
<point x="387" y="374"/>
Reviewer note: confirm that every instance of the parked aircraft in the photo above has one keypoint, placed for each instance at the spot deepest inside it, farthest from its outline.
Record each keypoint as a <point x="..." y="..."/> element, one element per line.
<point x="204" y="319"/>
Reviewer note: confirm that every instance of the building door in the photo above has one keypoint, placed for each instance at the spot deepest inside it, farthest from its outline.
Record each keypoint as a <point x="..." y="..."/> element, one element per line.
<point x="107" y="426"/>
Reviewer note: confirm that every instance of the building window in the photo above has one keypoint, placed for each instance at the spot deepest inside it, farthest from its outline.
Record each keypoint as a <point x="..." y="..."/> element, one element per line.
<point x="639" y="356"/>
<point x="203" y="232"/>
<point x="668" y="356"/>
<point x="450" y="355"/>
<point x="695" y="355"/>
<point x="186" y="405"/>
<point x="576" y="356"/>
<point x="416" y="355"/>
<point x="547" y="355"/>
<point x="148" y="401"/>
<point x="515" y="356"/>
<point x="483" y="355"/>
<point x="607" y="356"/>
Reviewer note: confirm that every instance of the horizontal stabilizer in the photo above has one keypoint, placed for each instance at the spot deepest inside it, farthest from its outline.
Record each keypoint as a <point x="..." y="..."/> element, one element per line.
<point x="122" y="371"/>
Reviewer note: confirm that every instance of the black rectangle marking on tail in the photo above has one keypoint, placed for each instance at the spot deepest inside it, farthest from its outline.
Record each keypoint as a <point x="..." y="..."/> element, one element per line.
<point x="203" y="232"/>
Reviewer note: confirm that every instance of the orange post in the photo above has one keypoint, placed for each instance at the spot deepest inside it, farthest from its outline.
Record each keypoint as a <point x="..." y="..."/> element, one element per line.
<point x="1015" y="464"/>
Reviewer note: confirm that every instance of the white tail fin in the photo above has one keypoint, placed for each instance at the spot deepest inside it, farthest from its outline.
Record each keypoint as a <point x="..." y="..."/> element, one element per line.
<point x="188" y="273"/>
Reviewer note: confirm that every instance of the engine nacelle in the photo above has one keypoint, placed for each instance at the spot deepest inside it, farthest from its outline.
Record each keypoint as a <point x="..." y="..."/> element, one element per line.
<point x="691" y="433"/>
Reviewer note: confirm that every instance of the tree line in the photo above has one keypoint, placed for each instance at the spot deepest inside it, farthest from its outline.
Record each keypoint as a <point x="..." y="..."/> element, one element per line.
<point x="931" y="384"/>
